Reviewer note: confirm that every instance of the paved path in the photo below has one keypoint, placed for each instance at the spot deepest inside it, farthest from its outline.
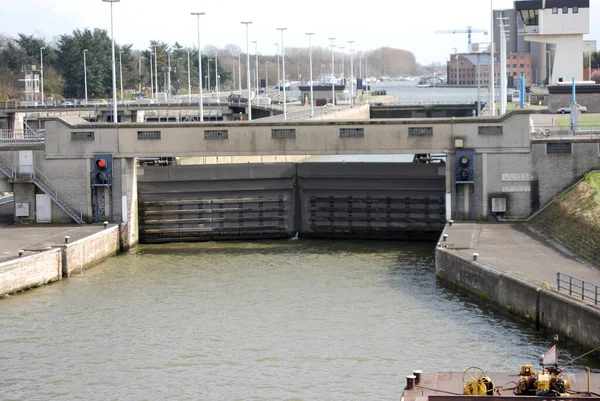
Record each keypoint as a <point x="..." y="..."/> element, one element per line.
<point x="514" y="250"/>
<point x="37" y="238"/>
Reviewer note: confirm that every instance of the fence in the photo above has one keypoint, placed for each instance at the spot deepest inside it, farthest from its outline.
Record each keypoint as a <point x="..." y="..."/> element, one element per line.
<point x="22" y="136"/>
<point x="577" y="287"/>
<point x="550" y="131"/>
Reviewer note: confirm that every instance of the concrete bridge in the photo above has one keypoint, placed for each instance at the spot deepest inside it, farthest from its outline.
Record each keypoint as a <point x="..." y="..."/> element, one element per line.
<point x="508" y="173"/>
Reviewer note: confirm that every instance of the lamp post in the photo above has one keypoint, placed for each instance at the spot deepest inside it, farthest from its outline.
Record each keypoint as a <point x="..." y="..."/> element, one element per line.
<point x="85" y="76"/>
<point x="312" y="103"/>
<point x="256" y="69"/>
<point x="168" y="89"/>
<point x="278" y="76"/>
<point x="178" y="71"/>
<point x="456" y="61"/>
<point x="351" y="42"/>
<point x="121" y="71"/>
<point x="151" y="78"/>
<point x="332" y="72"/>
<point x="283" y="73"/>
<point x="155" y="72"/>
<point x="233" y="75"/>
<point x="140" y="74"/>
<point x="248" y="69"/>
<point x="266" y="76"/>
<point x="342" y="75"/>
<point x="199" y="69"/>
<point x="216" y="72"/>
<point x="240" y="72"/>
<point x="492" y="77"/>
<point x="114" y="74"/>
<point x="189" y="80"/>
<point x="42" y="71"/>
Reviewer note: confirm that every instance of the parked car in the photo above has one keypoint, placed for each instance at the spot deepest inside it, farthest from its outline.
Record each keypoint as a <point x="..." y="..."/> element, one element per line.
<point x="567" y="109"/>
<point x="237" y="98"/>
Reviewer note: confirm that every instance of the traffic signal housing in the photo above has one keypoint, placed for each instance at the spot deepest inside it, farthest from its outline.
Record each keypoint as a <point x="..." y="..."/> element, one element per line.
<point x="465" y="166"/>
<point x="102" y="170"/>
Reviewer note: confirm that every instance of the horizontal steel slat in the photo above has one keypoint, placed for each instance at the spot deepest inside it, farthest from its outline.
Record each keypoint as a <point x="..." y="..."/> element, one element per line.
<point x="210" y="201"/>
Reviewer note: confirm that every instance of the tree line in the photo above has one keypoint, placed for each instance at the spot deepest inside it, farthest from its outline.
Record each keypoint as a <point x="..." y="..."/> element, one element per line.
<point x="63" y="65"/>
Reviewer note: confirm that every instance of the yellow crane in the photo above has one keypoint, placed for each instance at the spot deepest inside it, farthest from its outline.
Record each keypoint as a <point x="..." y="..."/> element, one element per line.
<point x="468" y="31"/>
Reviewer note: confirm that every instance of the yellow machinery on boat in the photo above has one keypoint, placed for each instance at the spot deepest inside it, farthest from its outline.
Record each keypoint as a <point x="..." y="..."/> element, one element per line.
<point x="547" y="382"/>
<point x="477" y="382"/>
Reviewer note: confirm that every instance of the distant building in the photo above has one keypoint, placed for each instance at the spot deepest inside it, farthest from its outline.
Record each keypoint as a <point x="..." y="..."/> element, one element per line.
<point x="469" y="65"/>
<point x="561" y="23"/>
<point x="30" y="82"/>
<point x="516" y="43"/>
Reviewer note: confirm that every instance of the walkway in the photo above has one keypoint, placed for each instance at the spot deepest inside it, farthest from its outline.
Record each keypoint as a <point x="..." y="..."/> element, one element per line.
<point x="514" y="250"/>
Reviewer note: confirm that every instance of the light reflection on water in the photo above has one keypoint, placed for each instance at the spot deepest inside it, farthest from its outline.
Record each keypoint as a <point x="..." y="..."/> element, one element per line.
<point x="302" y="320"/>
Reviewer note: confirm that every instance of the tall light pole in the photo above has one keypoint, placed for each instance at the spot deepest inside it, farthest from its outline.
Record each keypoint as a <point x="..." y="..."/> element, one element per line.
<point x="121" y="71"/>
<point x="283" y="73"/>
<point x="200" y="69"/>
<point x="343" y="74"/>
<point x="151" y="78"/>
<point x="351" y="42"/>
<point x="332" y="72"/>
<point x="456" y="61"/>
<point x="312" y="103"/>
<point x="216" y="72"/>
<point x="278" y="71"/>
<point x="233" y="74"/>
<point x="85" y="76"/>
<point x="255" y="78"/>
<point x="248" y="69"/>
<point x="168" y="90"/>
<point x="140" y="74"/>
<point x="114" y="73"/>
<point x="42" y="71"/>
<point x="189" y="80"/>
<point x="240" y="72"/>
<point x="492" y="77"/>
<point x="178" y="71"/>
<point x="155" y="71"/>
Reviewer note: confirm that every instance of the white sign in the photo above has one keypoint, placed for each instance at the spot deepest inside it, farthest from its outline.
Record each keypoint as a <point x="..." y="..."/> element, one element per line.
<point x="517" y="177"/>
<point x="516" y="189"/>
<point x="21" y="209"/>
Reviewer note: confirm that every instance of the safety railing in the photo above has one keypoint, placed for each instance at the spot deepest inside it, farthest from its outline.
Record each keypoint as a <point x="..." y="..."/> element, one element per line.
<point x="32" y="173"/>
<point x="549" y="131"/>
<point x="7" y="167"/>
<point x="22" y="136"/>
<point x="577" y="287"/>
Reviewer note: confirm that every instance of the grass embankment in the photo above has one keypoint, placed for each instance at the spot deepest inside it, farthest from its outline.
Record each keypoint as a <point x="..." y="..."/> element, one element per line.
<point x="574" y="219"/>
<point x="583" y="121"/>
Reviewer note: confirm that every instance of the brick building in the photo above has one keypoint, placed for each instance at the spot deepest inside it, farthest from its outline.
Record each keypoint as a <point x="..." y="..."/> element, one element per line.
<point x="469" y="65"/>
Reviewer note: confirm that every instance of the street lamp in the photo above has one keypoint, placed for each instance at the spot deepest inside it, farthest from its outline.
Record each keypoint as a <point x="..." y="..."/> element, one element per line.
<point x="332" y="72"/>
<point x="189" y="80"/>
<point x="248" y="69"/>
<point x="278" y="75"/>
<point x="121" y="71"/>
<point x="114" y="73"/>
<point x="492" y="77"/>
<point x="255" y="78"/>
<point x="85" y="76"/>
<point x="343" y="74"/>
<point x="140" y="74"/>
<point x="283" y="73"/>
<point x="351" y="42"/>
<point x="155" y="73"/>
<point x="42" y="71"/>
<point x="312" y="103"/>
<point x="199" y="69"/>
<point x="216" y="73"/>
<point x="178" y="76"/>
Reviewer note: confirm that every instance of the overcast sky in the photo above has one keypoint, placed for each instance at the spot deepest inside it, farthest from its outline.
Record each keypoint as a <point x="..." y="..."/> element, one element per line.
<point x="402" y="24"/>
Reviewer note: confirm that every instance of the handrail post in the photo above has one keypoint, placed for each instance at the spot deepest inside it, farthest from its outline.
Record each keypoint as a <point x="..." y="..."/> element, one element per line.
<point x="582" y="290"/>
<point x="558" y="281"/>
<point x="596" y="297"/>
<point x="570" y="285"/>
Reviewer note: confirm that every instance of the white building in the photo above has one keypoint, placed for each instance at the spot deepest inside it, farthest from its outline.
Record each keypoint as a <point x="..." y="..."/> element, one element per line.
<point x="562" y="23"/>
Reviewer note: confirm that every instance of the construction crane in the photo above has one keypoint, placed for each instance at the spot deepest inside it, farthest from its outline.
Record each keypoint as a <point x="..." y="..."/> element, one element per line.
<point x="468" y="31"/>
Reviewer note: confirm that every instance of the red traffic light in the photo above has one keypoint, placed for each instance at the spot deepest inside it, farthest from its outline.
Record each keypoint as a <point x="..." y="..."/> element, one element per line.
<point x="101" y="163"/>
<point x="464" y="160"/>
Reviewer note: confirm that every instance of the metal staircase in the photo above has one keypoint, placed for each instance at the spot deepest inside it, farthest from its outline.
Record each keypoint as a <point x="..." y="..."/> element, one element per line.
<point x="34" y="175"/>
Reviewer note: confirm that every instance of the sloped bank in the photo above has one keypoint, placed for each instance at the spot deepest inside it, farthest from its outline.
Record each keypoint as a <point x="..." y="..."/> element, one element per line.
<point x="573" y="220"/>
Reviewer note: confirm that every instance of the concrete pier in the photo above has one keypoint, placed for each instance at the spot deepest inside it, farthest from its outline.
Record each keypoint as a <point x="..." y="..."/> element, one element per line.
<point x="517" y="270"/>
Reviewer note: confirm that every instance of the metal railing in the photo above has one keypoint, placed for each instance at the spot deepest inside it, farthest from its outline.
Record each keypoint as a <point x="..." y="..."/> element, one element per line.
<point x="45" y="184"/>
<point x="7" y="167"/>
<point x="550" y="131"/>
<point x="577" y="287"/>
<point x="22" y="136"/>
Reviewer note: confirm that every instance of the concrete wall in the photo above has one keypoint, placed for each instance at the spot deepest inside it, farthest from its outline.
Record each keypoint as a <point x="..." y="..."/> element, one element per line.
<point x="354" y="113"/>
<point x="546" y="309"/>
<point x="30" y="271"/>
<point x="90" y="250"/>
<point x="589" y="100"/>
<point x="314" y="138"/>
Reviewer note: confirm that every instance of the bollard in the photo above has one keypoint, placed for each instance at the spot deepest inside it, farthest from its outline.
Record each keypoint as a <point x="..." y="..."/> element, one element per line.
<point x="67" y="239"/>
<point x="105" y="224"/>
<point x="410" y="382"/>
<point x="475" y="256"/>
<point x="21" y="252"/>
<point x="445" y="237"/>
<point x="417" y="374"/>
<point x="450" y="222"/>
